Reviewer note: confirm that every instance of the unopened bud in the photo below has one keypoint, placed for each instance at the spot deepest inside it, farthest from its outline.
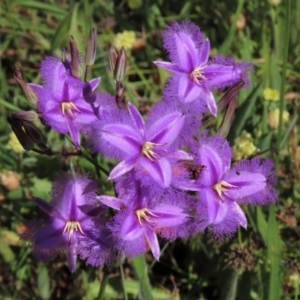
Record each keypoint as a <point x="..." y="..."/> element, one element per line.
<point x="76" y="69"/>
<point x="23" y="138"/>
<point x="29" y="116"/>
<point x="228" y="117"/>
<point x="33" y="133"/>
<point x="120" y="68"/>
<point x="91" y="48"/>
<point x="112" y="56"/>
<point x="229" y="95"/>
<point x="29" y="93"/>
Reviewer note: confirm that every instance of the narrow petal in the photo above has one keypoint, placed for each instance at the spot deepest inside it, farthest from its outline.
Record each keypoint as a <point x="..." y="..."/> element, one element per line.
<point x="166" y="129"/>
<point x="121" y="168"/>
<point x="160" y="170"/>
<point x="123" y="137"/>
<point x="74" y="133"/>
<point x="136" y="118"/>
<point x="168" y="66"/>
<point x="131" y="229"/>
<point x="203" y="52"/>
<point x="47" y="208"/>
<point x="153" y="242"/>
<point x="111" y="201"/>
<point x="71" y="257"/>
<point x="94" y="83"/>
<point x="240" y="215"/>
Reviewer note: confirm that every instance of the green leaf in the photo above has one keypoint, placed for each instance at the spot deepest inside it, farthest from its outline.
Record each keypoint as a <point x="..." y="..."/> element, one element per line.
<point x="140" y="268"/>
<point x="6" y="252"/>
<point x="262" y="224"/>
<point x="274" y="256"/>
<point x="43" y="282"/>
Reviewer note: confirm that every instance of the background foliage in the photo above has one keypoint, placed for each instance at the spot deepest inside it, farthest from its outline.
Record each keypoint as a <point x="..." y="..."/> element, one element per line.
<point x="260" y="263"/>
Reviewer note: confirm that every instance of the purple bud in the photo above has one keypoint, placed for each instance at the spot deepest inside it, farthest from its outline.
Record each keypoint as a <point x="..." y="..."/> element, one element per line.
<point x="29" y="93"/>
<point x="120" y="66"/>
<point x="91" y="48"/>
<point x="112" y="57"/>
<point x="76" y="69"/>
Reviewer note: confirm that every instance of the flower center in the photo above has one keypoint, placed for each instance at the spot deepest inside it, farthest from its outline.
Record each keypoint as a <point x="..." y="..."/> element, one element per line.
<point x="147" y="150"/>
<point x="144" y="214"/>
<point x="72" y="226"/>
<point x="68" y="107"/>
<point x="221" y="187"/>
<point x="197" y="74"/>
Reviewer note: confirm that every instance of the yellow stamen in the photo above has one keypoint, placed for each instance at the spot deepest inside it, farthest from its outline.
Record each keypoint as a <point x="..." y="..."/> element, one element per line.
<point x="72" y="226"/>
<point x="197" y="74"/>
<point x="67" y="107"/>
<point x="221" y="187"/>
<point x="142" y="215"/>
<point x="148" y="152"/>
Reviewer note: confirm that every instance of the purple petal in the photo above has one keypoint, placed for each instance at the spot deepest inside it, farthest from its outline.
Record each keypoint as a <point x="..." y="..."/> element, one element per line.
<point x="216" y="210"/>
<point x="136" y="118"/>
<point x="123" y="137"/>
<point x="188" y="91"/>
<point x="168" y="66"/>
<point x="111" y="201"/>
<point x="131" y="229"/>
<point x="203" y="53"/>
<point x="166" y="130"/>
<point x="169" y="215"/>
<point x="240" y="215"/>
<point x="160" y="170"/>
<point x="153" y="242"/>
<point x="121" y="168"/>
<point x="214" y="167"/>
<point x="220" y="76"/>
<point x="74" y="132"/>
<point x="47" y="208"/>
<point x="247" y="184"/>
<point x="36" y="87"/>
<point x="71" y="257"/>
<point x="94" y="83"/>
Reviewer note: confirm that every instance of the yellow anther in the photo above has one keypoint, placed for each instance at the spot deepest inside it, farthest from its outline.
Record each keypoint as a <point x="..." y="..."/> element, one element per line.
<point x="142" y="215"/>
<point x="197" y="74"/>
<point x="221" y="187"/>
<point x="72" y="226"/>
<point x="68" y="107"/>
<point x="148" y="152"/>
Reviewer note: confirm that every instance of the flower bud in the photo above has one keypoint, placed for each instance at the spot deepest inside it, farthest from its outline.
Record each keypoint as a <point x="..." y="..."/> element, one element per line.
<point x="29" y="93"/>
<point x="112" y="56"/>
<point x="91" y="48"/>
<point x="120" y="67"/>
<point x="76" y="69"/>
<point x="29" y="116"/>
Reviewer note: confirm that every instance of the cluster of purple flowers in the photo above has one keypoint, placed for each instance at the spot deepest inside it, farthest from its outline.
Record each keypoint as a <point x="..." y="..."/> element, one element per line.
<point x="172" y="179"/>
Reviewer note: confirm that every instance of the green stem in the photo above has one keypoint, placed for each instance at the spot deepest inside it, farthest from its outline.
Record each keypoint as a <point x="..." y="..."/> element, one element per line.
<point x="103" y="284"/>
<point x="123" y="282"/>
<point x="284" y="67"/>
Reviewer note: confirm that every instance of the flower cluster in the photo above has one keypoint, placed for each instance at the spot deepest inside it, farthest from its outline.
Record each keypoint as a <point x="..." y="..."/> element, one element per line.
<point x="172" y="178"/>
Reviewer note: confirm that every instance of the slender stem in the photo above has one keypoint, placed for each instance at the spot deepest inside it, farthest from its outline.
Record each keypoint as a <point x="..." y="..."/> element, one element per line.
<point x="123" y="282"/>
<point x="103" y="284"/>
<point x="284" y="67"/>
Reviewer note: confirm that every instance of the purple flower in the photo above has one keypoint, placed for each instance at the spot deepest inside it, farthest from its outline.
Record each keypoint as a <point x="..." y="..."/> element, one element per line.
<point x="66" y="103"/>
<point x="194" y="75"/>
<point x="221" y="189"/>
<point x="146" y="148"/>
<point x="70" y="224"/>
<point x="141" y="218"/>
